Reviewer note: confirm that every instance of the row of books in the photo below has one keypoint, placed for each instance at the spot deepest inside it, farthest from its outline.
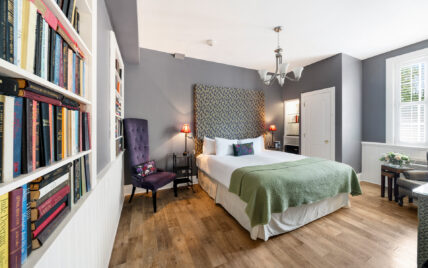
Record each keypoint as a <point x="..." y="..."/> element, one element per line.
<point x="118" y="107"/>
<point x="30" y="214"/>
<point x="36" y="130"/>
<point x="36" y="41"/>
<point x="119" y="145"/>
<point x="118" y="128"/>
<point x="70" y="10"/>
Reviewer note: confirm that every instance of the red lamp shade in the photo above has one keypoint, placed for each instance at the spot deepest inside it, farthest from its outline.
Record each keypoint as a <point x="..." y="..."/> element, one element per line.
<point x="185" y="128"/>
<point x="272" y="128"/>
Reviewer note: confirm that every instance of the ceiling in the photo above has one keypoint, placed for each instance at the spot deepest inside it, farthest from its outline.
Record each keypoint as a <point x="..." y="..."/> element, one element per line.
<point x="313" y="29"/>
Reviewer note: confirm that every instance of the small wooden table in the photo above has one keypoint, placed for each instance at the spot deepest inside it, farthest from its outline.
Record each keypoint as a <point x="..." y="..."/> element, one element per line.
<point x="393" y="173"/>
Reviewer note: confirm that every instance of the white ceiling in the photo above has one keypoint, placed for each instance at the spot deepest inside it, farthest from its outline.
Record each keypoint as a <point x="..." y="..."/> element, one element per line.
<point x="314" y="29"/>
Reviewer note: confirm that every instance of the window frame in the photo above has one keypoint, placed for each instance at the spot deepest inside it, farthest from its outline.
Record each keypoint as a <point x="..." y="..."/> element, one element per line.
<point x="393" y="95"/>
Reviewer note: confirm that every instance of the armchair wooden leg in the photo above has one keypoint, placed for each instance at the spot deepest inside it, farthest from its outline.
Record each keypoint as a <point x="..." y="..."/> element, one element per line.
<point x="410" y="199"/>
<point x="154" y="201"/>
<point x="175" y="188"/>
<point x="132" y="194"/>
<point x="400" y="201"/>
<point x="147" y="191"/>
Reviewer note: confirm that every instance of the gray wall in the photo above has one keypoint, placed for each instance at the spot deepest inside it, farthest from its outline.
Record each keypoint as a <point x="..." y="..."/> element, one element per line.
<point x="374" y="75"/>
<point x="103" y="83"/>
<point x="160" y="90"/>
<point x="319" y="75"/>
<point x="352" y="95"/>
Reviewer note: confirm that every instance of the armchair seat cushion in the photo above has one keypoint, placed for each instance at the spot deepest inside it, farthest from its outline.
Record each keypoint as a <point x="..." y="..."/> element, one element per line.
<point x="154" y="181"/>
<point x="409" y="184"/>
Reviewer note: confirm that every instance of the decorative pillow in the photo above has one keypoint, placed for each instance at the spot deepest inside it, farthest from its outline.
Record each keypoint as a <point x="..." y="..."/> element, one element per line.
<point x="243" y="149"/>
<point x="209" y="146"/>
<point x="224" y="146"/>
<point x="258" y="144"/>
<point x="146" y="169"/>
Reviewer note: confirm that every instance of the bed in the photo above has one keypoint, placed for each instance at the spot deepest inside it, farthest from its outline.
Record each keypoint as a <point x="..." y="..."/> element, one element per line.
<point x="245" y="186"/>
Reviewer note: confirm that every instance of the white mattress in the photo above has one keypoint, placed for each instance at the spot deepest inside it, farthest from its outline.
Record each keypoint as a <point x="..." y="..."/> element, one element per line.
<point x="221" y="167"/>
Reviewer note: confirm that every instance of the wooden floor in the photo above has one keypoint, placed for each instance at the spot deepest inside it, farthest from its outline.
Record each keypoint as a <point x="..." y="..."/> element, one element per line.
<point x="191" y="231"/>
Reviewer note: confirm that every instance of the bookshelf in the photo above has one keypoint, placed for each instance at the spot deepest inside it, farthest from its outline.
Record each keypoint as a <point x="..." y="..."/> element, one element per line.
<point x="86" y="40"/>
<point x="116" y="98"/>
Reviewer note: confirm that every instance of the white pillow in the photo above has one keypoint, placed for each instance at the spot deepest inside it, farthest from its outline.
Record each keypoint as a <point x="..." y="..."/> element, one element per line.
<point x="224" y="146"/>
<point x="258" y="144"/>
<point x="209" y="146"/>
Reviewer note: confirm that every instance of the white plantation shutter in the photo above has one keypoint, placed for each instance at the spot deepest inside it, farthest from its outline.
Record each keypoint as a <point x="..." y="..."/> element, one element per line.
<point x="412" y="103"/>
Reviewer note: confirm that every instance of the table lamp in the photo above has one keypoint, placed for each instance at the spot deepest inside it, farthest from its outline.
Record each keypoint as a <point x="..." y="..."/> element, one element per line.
<point x="272" y="128"/>
<point x="185" y="129"/>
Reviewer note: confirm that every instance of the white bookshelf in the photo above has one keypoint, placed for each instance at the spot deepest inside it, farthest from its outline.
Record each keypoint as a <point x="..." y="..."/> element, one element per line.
<point x="116" y="78"/>
<point x="86" y="41"/>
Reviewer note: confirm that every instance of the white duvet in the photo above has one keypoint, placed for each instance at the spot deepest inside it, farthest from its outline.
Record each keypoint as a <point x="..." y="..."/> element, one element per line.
<point x="221" y="167"/>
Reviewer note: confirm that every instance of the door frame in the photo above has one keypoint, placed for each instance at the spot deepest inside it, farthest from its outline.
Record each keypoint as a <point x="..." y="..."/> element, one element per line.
<point x="332" y="91"/>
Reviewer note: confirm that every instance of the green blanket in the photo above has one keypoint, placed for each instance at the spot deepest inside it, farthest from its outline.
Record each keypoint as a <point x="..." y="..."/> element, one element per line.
<point x="273" y="188"/>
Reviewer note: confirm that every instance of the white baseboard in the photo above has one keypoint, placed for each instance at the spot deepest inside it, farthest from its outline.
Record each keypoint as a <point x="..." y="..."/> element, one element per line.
<point x="127" y="189"/>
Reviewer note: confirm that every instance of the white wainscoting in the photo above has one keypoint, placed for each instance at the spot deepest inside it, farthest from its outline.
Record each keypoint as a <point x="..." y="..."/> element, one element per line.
<point x="87" y="239"/>
<point x="372" y="151"/>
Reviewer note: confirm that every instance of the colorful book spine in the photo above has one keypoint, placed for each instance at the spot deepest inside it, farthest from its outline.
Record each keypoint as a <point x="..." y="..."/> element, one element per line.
<point x="24" y="228"/>
<point x="50" y="203"/>
<point x="45" y="134"/>
<point x="10" y="41"/>
<point x="41" y="182"/>
<point x="48" y="220"/>
<point x="29" y="238"/>
<point x="35" y="195"/>
<point x="15" y="227"/>
<point x="36" y="135"/>
<point x="3" y="16"/>
<point x="38" y="222"/>
<point x="30" y="41"/>
<point x="17" y="137"/>
<point x="44" y="235"/>
<point x="64" y="132"/>
<point x="17" y="21"/>
<point x="73" y="81"/>
<point x="57" y="58"/>
<point x="37" y="97"/>
<point x="44" y="50"/>
<point x="83" y="180"/>
<point x="8" y="129"/>
<point x="27" y="139"/>
<point x="87" y="173"/>
<point x="76" y="180"/>
<point x="38" y="202"/>
<point x="4" y="230"/>
<point x="58" y="133"/>
<point x="1" y="135"/>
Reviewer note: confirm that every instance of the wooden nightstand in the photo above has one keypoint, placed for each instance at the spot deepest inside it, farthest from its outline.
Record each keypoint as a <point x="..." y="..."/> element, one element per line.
<point x="183" y="167"/>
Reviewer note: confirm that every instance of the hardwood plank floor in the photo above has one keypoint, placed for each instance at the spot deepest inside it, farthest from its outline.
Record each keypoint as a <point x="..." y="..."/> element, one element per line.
<point x="191" y="231"/>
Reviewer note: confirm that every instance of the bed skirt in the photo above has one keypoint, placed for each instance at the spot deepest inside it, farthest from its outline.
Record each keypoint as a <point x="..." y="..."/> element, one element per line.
<point x="291" y="219"/>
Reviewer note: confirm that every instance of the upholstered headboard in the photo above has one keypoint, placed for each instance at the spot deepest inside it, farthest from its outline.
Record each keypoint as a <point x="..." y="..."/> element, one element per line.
<point x="231" y="113"/>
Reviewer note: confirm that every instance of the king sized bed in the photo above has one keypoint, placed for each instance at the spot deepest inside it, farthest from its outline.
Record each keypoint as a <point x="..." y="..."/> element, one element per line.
<point x="267" y="192"/>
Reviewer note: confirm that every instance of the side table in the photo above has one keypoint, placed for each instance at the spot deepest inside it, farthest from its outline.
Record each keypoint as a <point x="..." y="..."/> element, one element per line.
<point x="183" y="167"/>
<point x="393" y="173"/>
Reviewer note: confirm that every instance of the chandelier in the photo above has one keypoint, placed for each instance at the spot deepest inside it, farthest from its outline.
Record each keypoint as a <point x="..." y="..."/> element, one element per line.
<point x="281" y="68"/>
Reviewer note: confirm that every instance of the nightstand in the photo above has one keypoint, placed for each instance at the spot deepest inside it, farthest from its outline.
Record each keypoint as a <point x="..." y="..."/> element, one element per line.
<point x="183" y="167"/>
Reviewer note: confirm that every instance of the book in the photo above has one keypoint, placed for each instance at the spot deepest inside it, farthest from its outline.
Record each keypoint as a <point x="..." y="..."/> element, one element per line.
<point x="8" y="86"/>
<point x="57" y="58"/>
<point x="17" y="32"/>
<point x="31" y="37"/>
<point x="49" y="17"/>
<point x="27" y="128"/>
<point x="9" y="107"/>
<point x="33" y="87"/>
<point x="65" y="65"/>
<point x="70" y="70"/>
<point x="58" y="133"/>
<point x="64" y="7"/>
<point x="17" y="136"/>
<point x="10" y="40"/>
<point x="3" y="19"/>
<point x="38" y="45"/>
<point x="37" y="219"/>
<point x="44" y="235"/>
<point x="80" y="131"/>
<point x="89" y="129"/>
<point x="83" y="175"/>
<point x="36" y="135"/>
<point x="51" y="132"/>
<point x="61" y="63"/>
<point x="69" y="103"/>
<point x="64" y="132"/>
<point x="73" y="74"/>
<point x="45" y="135"/>
<point x="24" y="227"/>
<point x="28" y="226"/>
<point x="51" y="202"/>
<point x="87" y="173"/>
<point x="76" y="180"/>
<point x="38" y="202"/>
<point x="48" y="220"/>
<point x="37" y="97"/>
<point x="15" y="227"/>
<point x="70" y="11"/>
<point x="34" y="195"/>
<point x="1" y="135"/>
<point x="4" y="230"/>
<point x="43" y="48"/>
<point x="52" y="43"/>
<point x="41" y="182"/>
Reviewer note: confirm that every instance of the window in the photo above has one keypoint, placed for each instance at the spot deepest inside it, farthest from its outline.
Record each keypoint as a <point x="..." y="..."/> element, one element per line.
<point x="407" y="121"/>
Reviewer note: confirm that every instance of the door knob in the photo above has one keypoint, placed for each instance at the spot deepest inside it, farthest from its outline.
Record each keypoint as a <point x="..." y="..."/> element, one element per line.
<point x="326" y="141"/>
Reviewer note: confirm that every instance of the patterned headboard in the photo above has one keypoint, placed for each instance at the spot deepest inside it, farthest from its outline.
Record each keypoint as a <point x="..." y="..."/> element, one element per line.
<point x="230" y="113"/>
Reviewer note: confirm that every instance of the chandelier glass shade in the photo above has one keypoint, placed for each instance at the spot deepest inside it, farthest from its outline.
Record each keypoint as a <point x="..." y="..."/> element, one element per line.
<point x="281" y="68"/>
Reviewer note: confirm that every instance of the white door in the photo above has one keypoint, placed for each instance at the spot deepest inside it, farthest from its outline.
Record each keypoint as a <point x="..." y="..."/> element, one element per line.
<point x="317" y="122"/>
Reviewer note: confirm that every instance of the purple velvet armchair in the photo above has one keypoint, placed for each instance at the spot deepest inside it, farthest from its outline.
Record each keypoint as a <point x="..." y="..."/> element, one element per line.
<point x="137" y="150"/>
